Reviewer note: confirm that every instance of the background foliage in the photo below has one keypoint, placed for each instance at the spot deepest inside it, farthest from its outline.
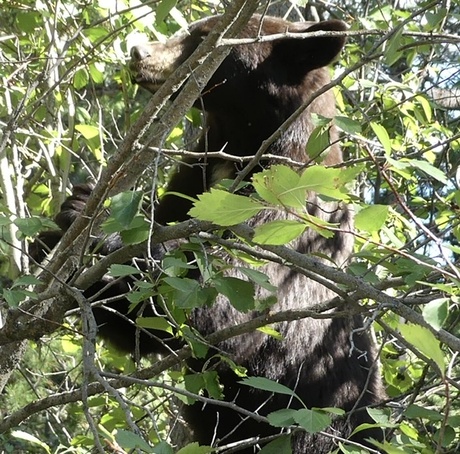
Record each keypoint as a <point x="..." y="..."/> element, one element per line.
<point x="66" y="104"/>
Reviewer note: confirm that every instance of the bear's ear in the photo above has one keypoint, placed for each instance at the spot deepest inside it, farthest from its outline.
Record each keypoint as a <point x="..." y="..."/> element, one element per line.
<point x="313" y="53"/>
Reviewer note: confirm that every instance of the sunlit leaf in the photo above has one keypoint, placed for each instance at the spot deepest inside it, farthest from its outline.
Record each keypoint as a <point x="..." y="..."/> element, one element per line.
<point x="372" y="218"/>
<point x="278" y="232"/>
<point x="424" y="340"/>
<point x="382" y="135"/>
<point x="224" y="208"/>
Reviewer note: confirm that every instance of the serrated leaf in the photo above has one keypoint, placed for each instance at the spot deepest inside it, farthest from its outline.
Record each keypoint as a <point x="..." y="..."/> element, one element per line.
<point x="188" y="292"/>
<point x="224" y="208"/>
<point x="382" y="136"/>
<point x="282" y="418"/>
<point x="280" y="185"/>
<point x="435" y="312"/>
<point x="278" y="232"/>
<point x="326" y="181"/>
<point x="239" y="292"/>
<point x="312" y="420"/>
<point x="424" y="341"/>
<point x="372" y="218"/>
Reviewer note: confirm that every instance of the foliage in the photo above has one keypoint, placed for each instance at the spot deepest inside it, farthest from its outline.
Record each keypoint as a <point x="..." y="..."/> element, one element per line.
<point x="66" y="104"/>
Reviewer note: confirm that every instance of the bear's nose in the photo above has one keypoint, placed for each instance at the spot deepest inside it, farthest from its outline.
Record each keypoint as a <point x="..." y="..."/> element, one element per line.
<point x="140" y="52"/>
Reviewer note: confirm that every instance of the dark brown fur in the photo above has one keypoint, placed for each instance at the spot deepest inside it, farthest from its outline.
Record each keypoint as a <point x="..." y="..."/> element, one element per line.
<point x="252" y="93"/>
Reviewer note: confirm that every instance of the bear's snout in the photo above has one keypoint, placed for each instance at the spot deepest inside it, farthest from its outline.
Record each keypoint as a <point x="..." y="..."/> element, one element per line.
<point x="140" y="52"/>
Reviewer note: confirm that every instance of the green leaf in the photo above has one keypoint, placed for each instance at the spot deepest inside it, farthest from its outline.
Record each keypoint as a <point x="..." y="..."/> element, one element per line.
<point x="424" y="340"/>
<point x="136" y="235"/>
<point x="25" y="281"/>
<point x="14" y="297"/>
<point x="163" y="9"/>
<point x="239" y="292"/>
<point x="318" y="142"/>
<point x="282" y="445"/>
<point x="278" y="232"/>
<point x="28" y="226"/>
<point x="372" y="218"/>
<point x="378" y="415"/>
<point x="130" y="440"/>
<point x="21" y="435"/>
<point x="80" y="79"/>
<point x="382" y="135"/>
<point x="282" y="418"/>
<point x="188" y="293"/>
<point x="415" y="411"/>
<point x="224" y="208"/>
<point x="124" y="207"/>
<point x="208" y="380"/>
<point x="392" y="50"/>
<point x="326" y="181"/>
<point x="87" y="131"/>
<point x="195" y="448"/>
<point x="122" y="270"/>
<point x="269" y="331"/>
<point x="157" y="323"/>
<point x="348" y="125"/>
<point x="266" y="384"/>
<point x="258" y="278"/>
<point x="312" y="420"/>
<point x="280" y="185"/>
<point x="436" y="311"/>
<point x="429" y="169"/>
<point x="163" y="448"/>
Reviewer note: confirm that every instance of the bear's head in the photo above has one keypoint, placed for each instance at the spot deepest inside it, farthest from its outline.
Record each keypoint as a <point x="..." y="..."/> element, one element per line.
<point x="268" y="74"/>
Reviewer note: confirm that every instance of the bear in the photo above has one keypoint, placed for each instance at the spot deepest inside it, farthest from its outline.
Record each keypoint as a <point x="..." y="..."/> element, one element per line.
<point x="251" y="94"/>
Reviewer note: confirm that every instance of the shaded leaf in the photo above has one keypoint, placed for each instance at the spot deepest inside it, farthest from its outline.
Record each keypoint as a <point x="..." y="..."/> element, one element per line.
<point x="282" y="445"/>
<point x="239" y="292"/>
<point x="312" y="420"/>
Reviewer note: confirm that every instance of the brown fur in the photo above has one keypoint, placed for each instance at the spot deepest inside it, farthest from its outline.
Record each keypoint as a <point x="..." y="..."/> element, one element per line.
<point x="252" y="93"/>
